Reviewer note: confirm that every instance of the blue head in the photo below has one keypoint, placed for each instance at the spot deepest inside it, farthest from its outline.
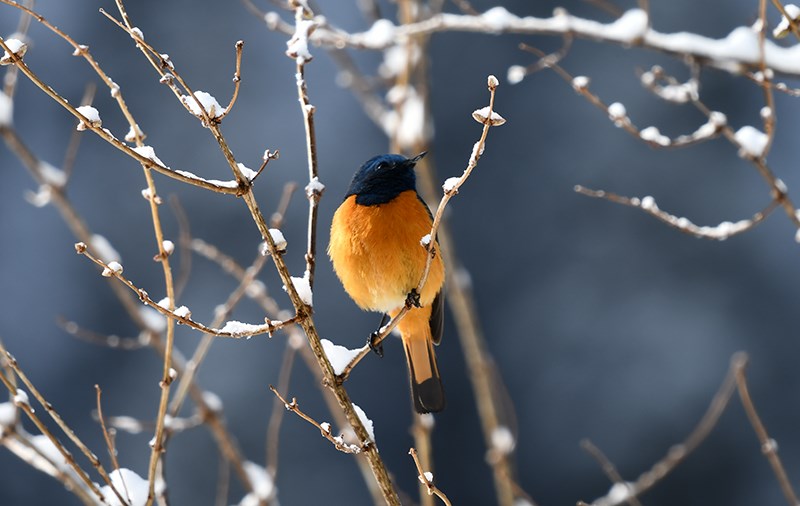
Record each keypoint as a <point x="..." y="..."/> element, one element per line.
<point x="382" y="178"/>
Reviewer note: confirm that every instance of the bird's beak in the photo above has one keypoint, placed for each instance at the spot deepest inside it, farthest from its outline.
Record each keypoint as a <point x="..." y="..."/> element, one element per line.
<point x="418" y="157"/>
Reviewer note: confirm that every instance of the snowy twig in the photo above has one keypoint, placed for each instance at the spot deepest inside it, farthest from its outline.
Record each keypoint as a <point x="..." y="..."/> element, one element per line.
<point x="768" y="112"/>
<point x="426" y="478"/>
<point x="23" y="25"/>
<point x="647" y="204"/>
<point x="315" y="188"/>
<point x="324" y="428"/>
<point x="106" y="135"/>
<point x="790" y="20"/>
<point x="618" y="115"/>
<point x="751" y="143"/>
<point x="71" y="153"/>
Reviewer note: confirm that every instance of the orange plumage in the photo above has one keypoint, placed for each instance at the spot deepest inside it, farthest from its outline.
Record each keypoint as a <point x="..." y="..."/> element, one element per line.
<point x="376" y="252"/>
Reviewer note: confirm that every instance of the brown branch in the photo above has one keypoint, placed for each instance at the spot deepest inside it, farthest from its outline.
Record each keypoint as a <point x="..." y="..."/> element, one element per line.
<point x="426" y="478"/>
<point x="237" y="79"/>
<point x="314" y="189"/>
<point x="421" y="430"/>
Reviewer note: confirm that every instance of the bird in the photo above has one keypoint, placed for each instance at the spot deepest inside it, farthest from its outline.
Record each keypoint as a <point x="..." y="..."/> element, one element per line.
<point x="379" y="255"/>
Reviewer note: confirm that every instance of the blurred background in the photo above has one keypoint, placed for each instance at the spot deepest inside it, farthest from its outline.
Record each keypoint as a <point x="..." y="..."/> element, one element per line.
<point x="604" y="323"/>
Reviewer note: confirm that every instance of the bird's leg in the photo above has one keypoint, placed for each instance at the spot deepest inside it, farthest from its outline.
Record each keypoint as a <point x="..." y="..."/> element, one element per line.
<point x="372" y="342"/>
<point x="412" y="299"/>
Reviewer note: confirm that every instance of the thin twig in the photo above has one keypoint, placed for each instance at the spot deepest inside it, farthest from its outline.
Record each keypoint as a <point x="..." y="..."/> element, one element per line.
<point x="609" y="468"/>
<point x="719" y="232"/>
<point x="324" y="428"/>
<point x="275" y="419"/>
<point x="427" y="480"/>
<point x="769" y="112"/>
<point x="268" y="327"/>
<point x="679" y="452"/>
<point x="768" y="445"/>
<point x="237" y="79"/>
<point x="95" y="462"/>
<point x="421" y="430"/>
<point x="313" y="190"/>
<point x="184" y="241"/>
<point x="75" y="138"/>
<point x="112" y="451"/>
<point x="107" y="340"/>
<point x="792" y="22"/>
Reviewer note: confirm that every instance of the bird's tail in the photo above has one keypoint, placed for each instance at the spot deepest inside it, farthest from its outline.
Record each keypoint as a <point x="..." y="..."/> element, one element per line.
<point x="426" y="384"/>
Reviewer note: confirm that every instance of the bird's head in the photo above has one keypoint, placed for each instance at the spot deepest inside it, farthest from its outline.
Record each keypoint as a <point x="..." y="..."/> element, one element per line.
<point x="382" y="178"/>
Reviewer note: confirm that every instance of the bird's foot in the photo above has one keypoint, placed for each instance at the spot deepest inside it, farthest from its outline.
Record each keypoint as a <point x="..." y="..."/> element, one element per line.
<point x="412" y="299"/>
<point x="374" y="344"/>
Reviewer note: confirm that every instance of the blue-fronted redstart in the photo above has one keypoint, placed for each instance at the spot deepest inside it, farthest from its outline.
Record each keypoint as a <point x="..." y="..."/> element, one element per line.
<point x="377" y="253"/>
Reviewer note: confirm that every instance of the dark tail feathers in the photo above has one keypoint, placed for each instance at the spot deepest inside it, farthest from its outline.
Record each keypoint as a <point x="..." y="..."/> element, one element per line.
<point x="426" y="384"/>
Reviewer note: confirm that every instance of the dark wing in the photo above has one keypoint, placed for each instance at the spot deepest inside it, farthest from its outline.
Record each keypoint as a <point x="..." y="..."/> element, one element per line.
<point x="437" y="309"/>
<point x="437" y="317"/>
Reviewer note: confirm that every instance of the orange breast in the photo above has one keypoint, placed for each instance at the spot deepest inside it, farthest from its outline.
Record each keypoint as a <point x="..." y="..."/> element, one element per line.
<point x="376" y="252"/>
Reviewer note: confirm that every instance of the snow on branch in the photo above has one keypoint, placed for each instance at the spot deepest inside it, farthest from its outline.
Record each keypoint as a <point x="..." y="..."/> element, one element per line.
<point x="324" y="427"/>
<point x="182" y="315"/>
<point x="735" y="53"/>
<point x="648" y="204"/>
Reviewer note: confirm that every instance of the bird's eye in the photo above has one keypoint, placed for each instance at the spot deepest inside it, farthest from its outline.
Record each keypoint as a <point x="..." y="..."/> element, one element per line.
<point x="383" y="165"/>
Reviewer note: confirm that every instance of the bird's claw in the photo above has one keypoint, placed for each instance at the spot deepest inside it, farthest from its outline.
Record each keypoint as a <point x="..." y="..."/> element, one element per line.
<point x="374" y="344"/>
<point x="412" y="299"/>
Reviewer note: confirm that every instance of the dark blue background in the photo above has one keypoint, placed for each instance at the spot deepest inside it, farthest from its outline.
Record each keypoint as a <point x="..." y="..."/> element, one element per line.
<point x="603" y="322"/>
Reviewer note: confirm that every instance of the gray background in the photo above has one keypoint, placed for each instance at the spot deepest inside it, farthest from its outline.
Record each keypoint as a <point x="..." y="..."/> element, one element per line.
<point x="604" y="323"/>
